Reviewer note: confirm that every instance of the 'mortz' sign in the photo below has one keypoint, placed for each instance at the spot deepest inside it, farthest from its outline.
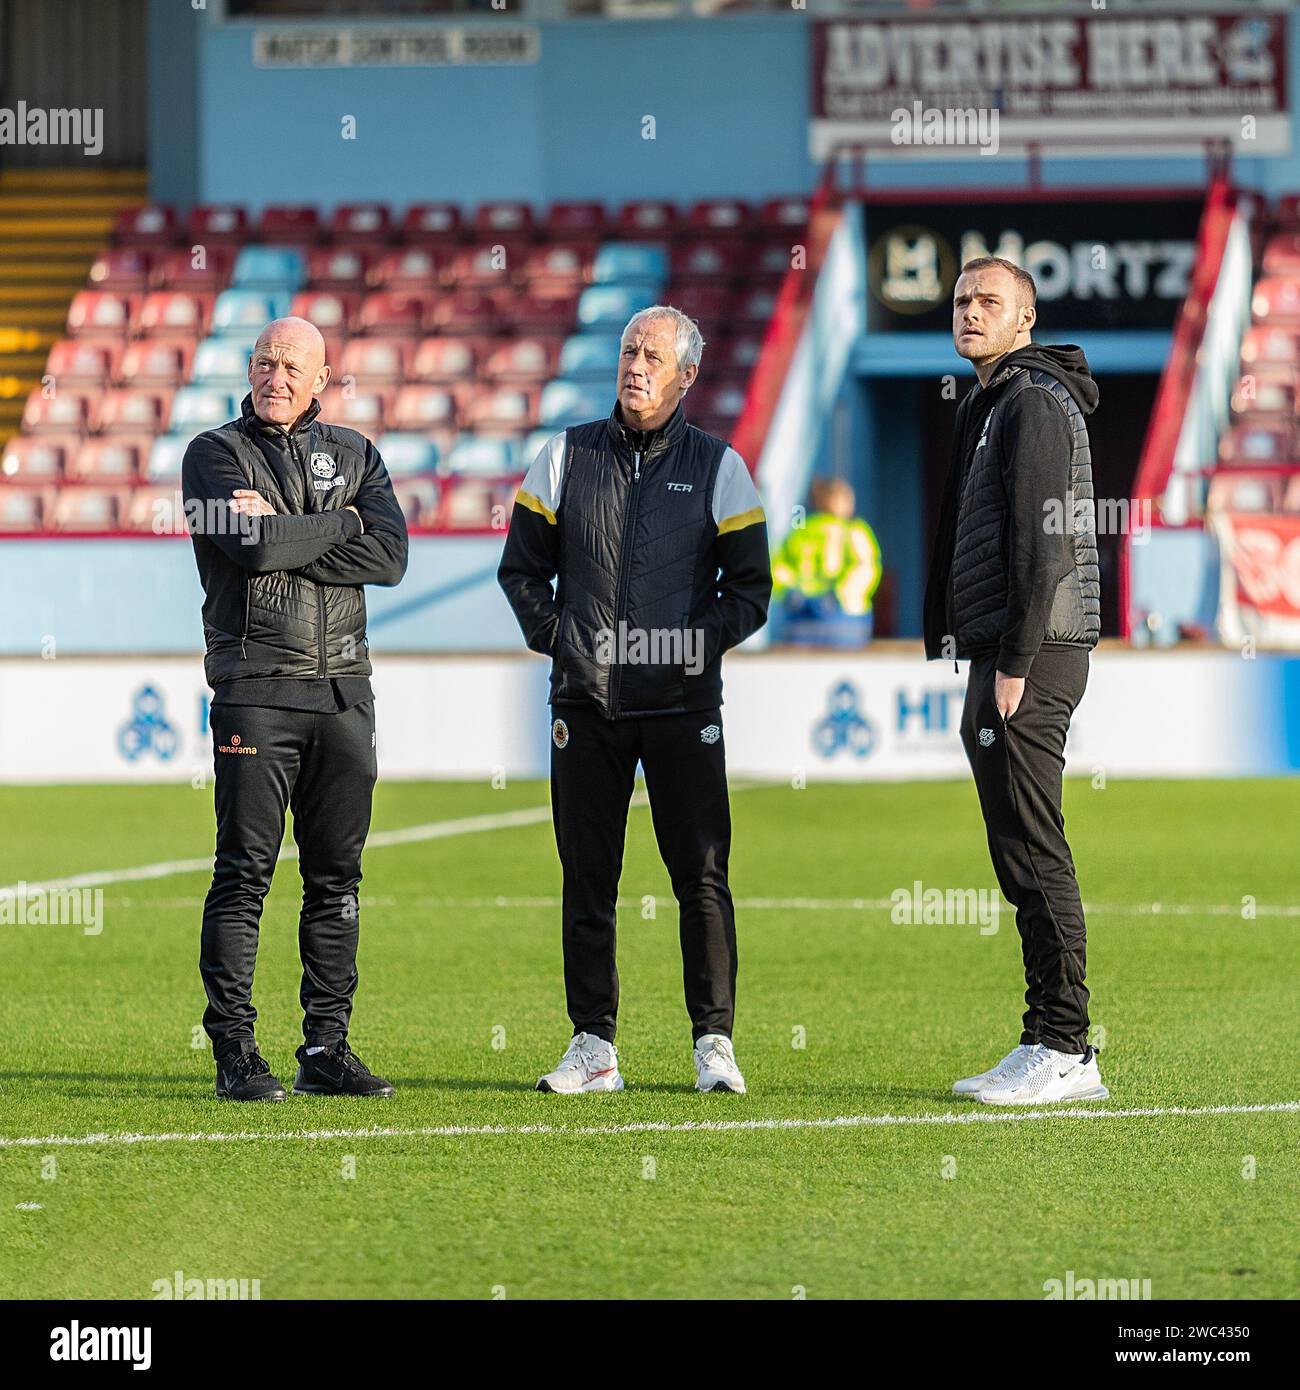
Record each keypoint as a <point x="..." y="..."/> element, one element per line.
<point x="1103" y="264"/>
<point x="1133" y="79"/>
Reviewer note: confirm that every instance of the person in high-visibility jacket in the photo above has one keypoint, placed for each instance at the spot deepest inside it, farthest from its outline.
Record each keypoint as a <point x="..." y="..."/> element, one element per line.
<point x="826" y="571"/>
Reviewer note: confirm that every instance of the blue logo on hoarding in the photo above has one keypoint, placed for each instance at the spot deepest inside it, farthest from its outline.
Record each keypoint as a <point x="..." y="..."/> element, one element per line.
<point x="147" y="731"/>
<point x="845" y="726"/>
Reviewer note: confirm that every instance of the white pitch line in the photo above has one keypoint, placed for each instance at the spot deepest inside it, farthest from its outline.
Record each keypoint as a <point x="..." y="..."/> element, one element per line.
<point x="649" y="1126"/>
<point x="381" y="839"/>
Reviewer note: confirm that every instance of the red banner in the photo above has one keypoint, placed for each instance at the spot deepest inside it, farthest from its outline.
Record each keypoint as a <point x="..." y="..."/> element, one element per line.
<point x="1259" y="593"/>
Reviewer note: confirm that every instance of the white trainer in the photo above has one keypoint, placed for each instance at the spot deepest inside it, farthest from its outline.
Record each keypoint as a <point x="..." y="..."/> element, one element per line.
<point x="589" y="1064"/>
<point x="973" y="1085"/>
<point x="715" y="1065"/>
<point x="1047" y="1078"/>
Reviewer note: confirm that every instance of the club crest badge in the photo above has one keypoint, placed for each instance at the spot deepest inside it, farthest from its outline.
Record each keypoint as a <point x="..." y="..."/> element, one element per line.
<point x="559" y="733"/>
<point x="322" y="466"/>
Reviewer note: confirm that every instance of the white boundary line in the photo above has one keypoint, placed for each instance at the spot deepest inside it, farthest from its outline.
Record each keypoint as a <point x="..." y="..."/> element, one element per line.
<point x="649" y="1126"/>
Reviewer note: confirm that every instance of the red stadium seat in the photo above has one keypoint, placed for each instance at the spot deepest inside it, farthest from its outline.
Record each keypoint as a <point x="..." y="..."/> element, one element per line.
<point x="368" y="224"/>
<point x="737" y="354"/>
<point x="1247" y="443"/>
<point x="413" y="268"/>
<point x="212" y="224"/>
<point x="134" y="410"/>
<point x="1245" y="492"/>
<point x="80" y="362"/>
<point x="773" y="259"/>
<point x="553" y="315"/>
<point x="464" y="311"/>
<point x="124" y="269"/>
<point x="718" y="216"/>
<point x="488" y="265"/>
<point x="289" y="225"/>
<point x="419" y="409"/>
<point x="784" y="214"/>
<point x="470" y="504"/>
<point x="502" y="410"/>
<point x="37" y="458"/>
<point x="646" y="218"/>
<point x="708" y="305"/>
<point x="710" y="261"/>
<point x="112" y="458"/>
<point x="66" y="412"/>
<point x="561" y="265"/>
<point x="146" y="226"/>
<point x="718" y="400"/>
<point x="375" y="361"/>
<point x="1282" y="254"/>
<point x="360" y="410"/>
<point x="754" y="307"/>
<point x="101" y="314"/>
<point x="576" y="221"/>
<point x="390" y="312"/>
<point x="177" y="270"/>
<point x="1291" y="496"/>
<point x="342" y="269"/>
<point x="330" y="311"/>
<point x="174" y="314"/>
<point x="1270" y="345"/>
<point x="156" y="362"/>
<point x="523" y="360"/>
<point x="418" y="499"/>
<point x="505" y="218"/>
<point x="441" y="361"/>
<point x="1268" y="390"/>
<point x="437" y="223"/>
<point x="1277" y="300"/>
<point x="26" y="508"/>
<point x="90" y="508"/>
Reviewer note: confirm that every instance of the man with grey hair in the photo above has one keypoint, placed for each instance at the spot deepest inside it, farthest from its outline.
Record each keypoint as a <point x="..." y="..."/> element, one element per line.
<point x="291" y="518"/>
<point x="657" y="538"/>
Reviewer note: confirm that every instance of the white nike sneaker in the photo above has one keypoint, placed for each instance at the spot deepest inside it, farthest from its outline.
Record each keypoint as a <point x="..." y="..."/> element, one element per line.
<point x="973" y="1085"/>
<point x="589" y="1064"/>
<point x="1047" y="1078"/>
<point x="715" y="1065"/>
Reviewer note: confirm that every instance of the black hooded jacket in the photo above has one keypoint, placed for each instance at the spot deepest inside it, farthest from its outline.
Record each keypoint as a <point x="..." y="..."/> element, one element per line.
<point x="283" y="596"/>
<point x="1014" y="564"/>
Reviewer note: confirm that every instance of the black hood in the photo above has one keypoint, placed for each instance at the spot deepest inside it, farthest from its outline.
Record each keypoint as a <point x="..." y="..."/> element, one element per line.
<point x="1064" y="361"/>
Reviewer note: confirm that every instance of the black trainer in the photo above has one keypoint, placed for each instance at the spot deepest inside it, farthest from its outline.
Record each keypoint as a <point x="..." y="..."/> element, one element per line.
<point x="337" y="1071"/>
<point x="246" y="1076"/>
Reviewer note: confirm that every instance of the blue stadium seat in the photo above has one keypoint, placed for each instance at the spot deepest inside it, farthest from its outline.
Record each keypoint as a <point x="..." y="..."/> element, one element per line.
<point x="405" y="454"/>
<point x="629" y="262"/>
<point x="606" y="307"/>
<point x="223" y="363"/>
<point x="270" y="268"/>
<point x="567" y="403"/>
<point x="241" y="313"/>
<point x="481" y="454"/>
<point x="197" y="408"/>
<point x="534" y="442"/>
<point x="165" y="457"/>
<point x="590" y="357"/>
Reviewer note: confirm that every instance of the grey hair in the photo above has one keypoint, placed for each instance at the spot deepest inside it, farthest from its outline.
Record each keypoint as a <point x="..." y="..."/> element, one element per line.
<point x="690" y="345"/>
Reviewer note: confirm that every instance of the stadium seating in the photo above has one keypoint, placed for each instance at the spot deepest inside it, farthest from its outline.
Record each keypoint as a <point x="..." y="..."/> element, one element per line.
<point x="460" y="340"/>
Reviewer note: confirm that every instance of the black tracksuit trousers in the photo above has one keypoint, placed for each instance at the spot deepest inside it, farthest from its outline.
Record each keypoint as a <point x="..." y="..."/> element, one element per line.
<point x="593" y="767"/>
<point x="323" y="767"/>
<point x="1018" y="765"/>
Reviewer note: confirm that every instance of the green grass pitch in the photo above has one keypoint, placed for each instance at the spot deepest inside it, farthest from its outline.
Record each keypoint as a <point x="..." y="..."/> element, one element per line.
<point x="461" y="1004"/>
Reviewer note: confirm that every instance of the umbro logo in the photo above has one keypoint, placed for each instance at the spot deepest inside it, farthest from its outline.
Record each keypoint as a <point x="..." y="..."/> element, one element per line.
<point x="986" y="737"/>
<point x="711" y="733"/>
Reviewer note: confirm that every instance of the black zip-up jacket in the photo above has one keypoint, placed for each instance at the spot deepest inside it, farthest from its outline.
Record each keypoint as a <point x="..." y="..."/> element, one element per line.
<point x="659" y="544"/>
<point x="283" y="594"/>
<point x="1014" y="564"/>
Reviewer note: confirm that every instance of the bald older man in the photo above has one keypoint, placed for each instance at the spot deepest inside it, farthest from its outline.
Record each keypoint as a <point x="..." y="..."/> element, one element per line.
<point x="290" y="518"/>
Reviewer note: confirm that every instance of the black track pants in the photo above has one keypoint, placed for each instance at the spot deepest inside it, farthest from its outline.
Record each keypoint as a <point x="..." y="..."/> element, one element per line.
<point x="323" y="767"/>
<point x="592" y="776"/>
<point x="1018" y="764"/>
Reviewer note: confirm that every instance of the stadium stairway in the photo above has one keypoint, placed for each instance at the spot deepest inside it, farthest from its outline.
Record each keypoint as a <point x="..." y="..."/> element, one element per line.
<point x="53" y="222"/>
